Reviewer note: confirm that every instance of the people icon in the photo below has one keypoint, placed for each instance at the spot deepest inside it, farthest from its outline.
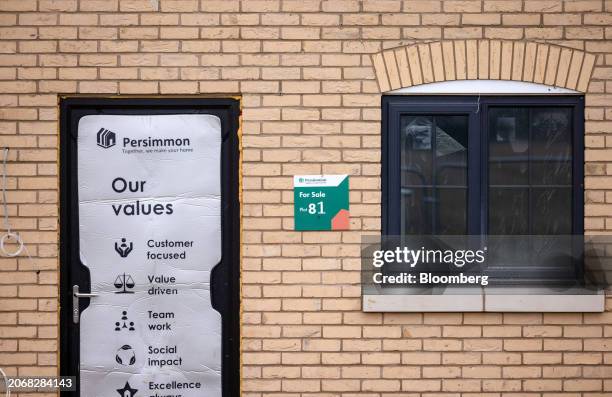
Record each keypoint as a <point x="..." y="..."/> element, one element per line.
<point x="124" y="324"/>
<point x="124" y="249"/>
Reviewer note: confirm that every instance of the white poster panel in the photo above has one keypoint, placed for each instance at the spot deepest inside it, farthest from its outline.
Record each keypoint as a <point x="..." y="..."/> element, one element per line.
<point x="150" y="234"/>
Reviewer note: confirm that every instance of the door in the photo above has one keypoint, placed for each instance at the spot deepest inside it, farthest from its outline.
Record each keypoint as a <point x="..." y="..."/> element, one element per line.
<point x="149" y="246"/>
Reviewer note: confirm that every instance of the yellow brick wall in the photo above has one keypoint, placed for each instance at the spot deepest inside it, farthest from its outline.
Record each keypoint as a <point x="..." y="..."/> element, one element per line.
<point x="311" y="104"/>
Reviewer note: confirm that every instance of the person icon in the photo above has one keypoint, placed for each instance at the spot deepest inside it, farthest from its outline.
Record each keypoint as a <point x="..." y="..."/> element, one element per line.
<point x="124" y="324"/>
<point x="124" y="249"/>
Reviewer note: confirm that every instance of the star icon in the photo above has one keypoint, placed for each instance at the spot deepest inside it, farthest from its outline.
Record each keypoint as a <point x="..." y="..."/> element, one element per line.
<point x="127" y="391"/>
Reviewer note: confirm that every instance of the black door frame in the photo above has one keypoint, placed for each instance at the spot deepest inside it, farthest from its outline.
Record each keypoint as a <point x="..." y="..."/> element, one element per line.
<point x="225" y="276"/>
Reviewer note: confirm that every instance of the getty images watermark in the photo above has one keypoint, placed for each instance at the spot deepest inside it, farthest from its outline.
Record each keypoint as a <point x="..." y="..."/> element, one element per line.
<point x="438" y="263"/>
<point x="411" y="258"/>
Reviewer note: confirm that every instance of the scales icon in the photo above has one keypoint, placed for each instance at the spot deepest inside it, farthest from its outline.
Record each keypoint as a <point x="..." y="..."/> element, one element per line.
<point x="123" y="283"/>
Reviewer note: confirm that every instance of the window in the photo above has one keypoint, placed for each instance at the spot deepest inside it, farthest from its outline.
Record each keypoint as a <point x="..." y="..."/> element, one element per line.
<point x="490" y="165"/>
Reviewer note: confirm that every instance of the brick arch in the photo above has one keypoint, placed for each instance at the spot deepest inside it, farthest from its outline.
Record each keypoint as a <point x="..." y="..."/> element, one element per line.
<point x="483" y="59"/>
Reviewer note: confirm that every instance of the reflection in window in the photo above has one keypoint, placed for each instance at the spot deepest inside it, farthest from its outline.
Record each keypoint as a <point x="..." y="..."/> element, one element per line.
<point x="434" y="174"/>
<point x="530" y="170"/>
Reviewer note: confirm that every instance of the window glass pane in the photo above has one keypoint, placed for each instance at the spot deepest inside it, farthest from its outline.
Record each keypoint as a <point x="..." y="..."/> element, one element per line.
<point x="416" y="150"/>
<point x="508" y="146"/>
<point x="451" y="208"/>
<point x="416" y="210"/>
<point x="530" y="170"/>
<point x="434" y="174"/>
<point x="451" y="150"/>
<point x="551" y="209"/>
<point x="508" y="210"/>
<point x="551" y="146"/>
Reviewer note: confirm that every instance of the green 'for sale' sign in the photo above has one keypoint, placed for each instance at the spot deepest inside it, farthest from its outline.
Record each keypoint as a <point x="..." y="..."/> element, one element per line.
<point x="321" y="202"/>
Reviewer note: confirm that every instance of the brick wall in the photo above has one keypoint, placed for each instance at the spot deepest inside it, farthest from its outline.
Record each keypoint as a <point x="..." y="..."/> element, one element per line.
<point x="311" y="104"/>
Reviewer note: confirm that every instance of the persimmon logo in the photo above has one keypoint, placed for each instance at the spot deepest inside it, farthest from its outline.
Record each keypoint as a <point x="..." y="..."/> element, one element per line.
<point x="106" y="138"/>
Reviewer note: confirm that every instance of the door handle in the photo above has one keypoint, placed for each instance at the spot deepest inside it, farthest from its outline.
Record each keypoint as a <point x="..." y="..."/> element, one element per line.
<point x="76" y="295"/>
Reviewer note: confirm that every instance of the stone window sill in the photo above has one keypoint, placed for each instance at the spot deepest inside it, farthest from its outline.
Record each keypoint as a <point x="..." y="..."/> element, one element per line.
<point x="490" y="300"/>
